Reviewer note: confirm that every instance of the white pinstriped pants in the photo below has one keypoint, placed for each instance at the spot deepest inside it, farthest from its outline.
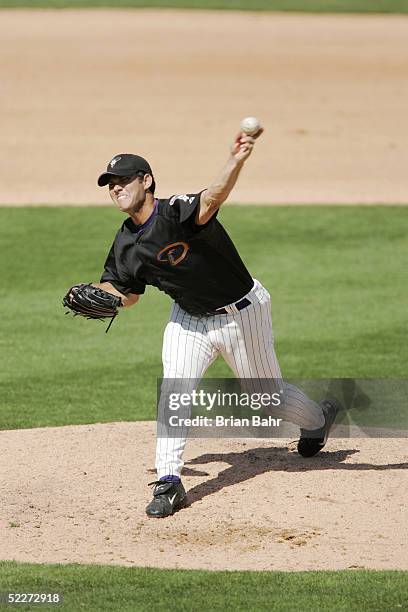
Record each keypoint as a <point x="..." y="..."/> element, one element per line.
<point x="245" y="340"/>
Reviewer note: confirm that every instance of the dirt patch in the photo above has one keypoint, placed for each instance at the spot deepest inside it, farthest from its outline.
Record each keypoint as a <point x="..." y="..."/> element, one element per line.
<point x="79" y="86"/>
<point x="77" y="494"/>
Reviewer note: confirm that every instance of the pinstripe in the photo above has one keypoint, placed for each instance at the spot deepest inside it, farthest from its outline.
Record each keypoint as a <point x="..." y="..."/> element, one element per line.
<point x="267" y="339"/>
<point x="273" y="366"/>
<point x="191" y="345"/>
<point x="229" y="353"/>
<point x="181" y="432"/>
<point x="263" y="354"/>
<point x="162" y="433"/>
<point x="169" y="442"/>
<point x="162" y="440"/>
<point x="193" y="356"/>
<point x="259" y="352"/>
<point x="260" y="332"/>
<point x="248" y="329"/>
<point x="236" y="346"/>
<point x="271" y="354"/>
<point x="248" y="374"/>
<point x="179" y="330"/>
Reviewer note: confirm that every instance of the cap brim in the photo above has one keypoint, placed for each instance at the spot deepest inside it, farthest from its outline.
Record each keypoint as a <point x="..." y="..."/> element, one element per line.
<point x="105" y="178"/>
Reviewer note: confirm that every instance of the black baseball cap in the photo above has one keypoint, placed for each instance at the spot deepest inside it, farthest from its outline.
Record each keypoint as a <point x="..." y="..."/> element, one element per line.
<point x="124" y="164"/>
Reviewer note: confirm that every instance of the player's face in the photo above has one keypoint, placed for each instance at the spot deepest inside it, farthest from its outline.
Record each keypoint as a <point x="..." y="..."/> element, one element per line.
<point x="127" y="192"/>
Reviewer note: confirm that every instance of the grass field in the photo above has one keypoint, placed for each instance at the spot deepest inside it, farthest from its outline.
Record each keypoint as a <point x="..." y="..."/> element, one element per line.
<point x="318" y="6"/>
<point x="113" y="588"/>
<point x="337" y="276"/>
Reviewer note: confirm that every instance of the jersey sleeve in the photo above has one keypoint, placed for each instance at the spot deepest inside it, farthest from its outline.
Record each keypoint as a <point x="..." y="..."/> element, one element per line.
<point x="115" y="272"/>
<point x="185" y="209"/>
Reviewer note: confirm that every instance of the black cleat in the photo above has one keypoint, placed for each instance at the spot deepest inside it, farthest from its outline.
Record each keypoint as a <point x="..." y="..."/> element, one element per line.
<point x="312" y="441"/>
<point x="168" y="496"/>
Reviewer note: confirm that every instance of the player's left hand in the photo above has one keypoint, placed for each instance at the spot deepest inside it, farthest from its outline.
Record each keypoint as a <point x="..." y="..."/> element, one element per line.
<point x="243" y="145"/>
<point x="92" y="302"/>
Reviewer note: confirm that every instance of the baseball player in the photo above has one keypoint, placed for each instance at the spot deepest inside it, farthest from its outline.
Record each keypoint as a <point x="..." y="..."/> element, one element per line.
<point x="178" y="245"/>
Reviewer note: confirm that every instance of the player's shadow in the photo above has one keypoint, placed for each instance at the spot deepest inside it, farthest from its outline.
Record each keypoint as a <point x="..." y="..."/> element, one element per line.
<point x="255" y="461"/>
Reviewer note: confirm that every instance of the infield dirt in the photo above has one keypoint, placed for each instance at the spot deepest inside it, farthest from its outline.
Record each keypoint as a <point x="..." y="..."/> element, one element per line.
<point x="77" y="494"/>
<point x="80" y="86"/>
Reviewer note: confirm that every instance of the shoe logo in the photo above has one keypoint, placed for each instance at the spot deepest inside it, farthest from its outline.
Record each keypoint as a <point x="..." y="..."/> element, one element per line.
<point x="173" y="253"/>
<point x="171" y="499"/>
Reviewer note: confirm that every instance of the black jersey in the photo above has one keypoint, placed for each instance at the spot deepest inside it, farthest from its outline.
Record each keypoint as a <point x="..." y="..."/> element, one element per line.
<point x="196" y="265"/>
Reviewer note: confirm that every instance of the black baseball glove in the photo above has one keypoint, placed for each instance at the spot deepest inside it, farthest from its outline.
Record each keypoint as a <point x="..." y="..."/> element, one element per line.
<point x="92" y="302"/>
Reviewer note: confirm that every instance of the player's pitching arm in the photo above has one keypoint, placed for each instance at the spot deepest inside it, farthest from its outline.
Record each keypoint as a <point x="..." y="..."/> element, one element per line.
<point x="212" y="198"/>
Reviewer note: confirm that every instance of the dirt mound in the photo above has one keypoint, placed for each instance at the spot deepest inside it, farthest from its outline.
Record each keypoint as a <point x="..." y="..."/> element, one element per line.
<point x="77" y="494"/>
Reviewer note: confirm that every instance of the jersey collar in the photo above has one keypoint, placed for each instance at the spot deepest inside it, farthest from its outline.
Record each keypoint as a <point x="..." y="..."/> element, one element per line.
<point x="141" y="228"/>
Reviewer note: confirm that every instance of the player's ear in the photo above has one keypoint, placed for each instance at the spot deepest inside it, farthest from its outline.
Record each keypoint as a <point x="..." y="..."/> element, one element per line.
<point x="147" y="181"/>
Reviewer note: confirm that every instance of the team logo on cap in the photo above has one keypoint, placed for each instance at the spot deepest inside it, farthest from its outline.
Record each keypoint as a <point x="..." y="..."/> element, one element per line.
<point x="173" y="253"/>
<point x="114" y="161"/>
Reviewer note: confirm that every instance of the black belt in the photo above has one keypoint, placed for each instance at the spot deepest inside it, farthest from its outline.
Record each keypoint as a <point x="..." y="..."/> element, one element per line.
<point x="238" y="305"/>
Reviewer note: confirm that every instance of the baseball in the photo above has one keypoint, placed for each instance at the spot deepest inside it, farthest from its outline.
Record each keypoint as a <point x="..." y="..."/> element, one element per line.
<point x="250" y="125"/>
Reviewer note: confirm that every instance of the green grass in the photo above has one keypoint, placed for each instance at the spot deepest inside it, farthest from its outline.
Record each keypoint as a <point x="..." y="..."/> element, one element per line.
<point x="127" y="589"/>
<point x="318" y="6"/>
<point x="337" y="276"/>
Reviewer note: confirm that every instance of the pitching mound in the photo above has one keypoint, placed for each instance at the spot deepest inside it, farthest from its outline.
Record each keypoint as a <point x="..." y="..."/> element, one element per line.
<point x="77" y="494"/>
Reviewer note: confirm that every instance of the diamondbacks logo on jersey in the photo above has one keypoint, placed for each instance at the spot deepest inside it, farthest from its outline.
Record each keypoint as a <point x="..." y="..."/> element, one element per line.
<point x="173" y="253"/>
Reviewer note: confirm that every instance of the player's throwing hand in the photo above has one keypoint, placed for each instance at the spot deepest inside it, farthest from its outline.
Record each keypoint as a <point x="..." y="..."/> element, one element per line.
<point x="243" y="145"/>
